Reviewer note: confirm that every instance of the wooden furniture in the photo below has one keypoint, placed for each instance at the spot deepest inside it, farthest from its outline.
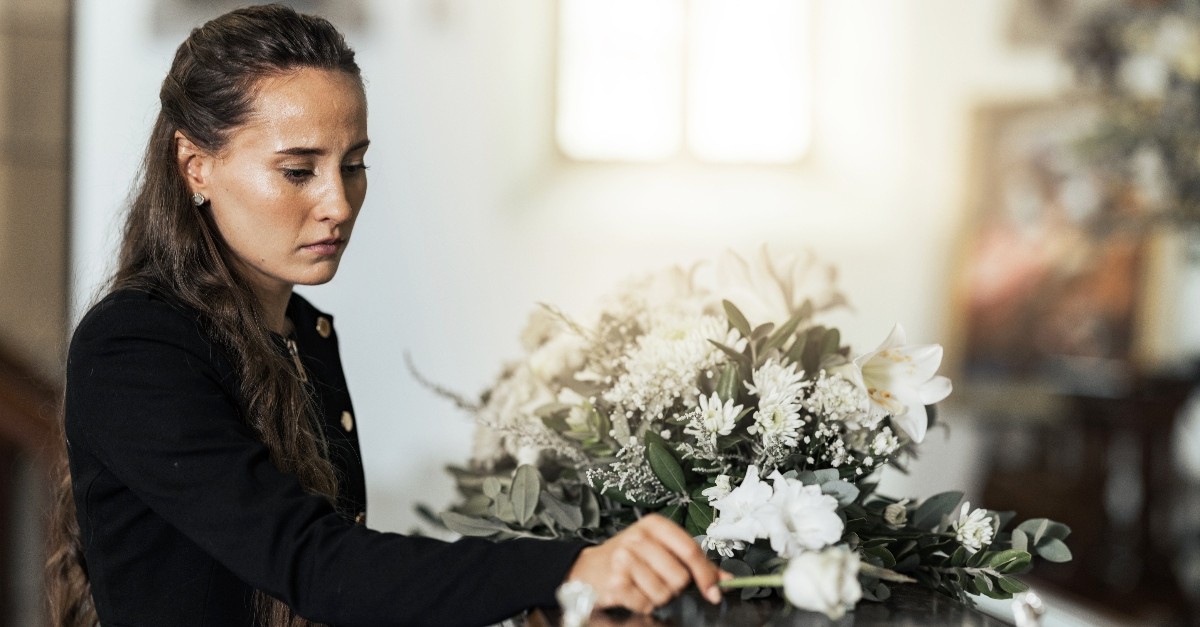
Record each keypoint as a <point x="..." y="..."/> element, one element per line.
<point x="1103" y="466"/>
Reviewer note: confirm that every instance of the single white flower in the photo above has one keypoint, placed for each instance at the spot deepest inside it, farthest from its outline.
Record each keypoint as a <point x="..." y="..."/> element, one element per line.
<point x="741" y="511"/>
<point x="896" y="514"/>
<point x="713" y="418"/>
<point x="778" y="422"/>
<point x="774" y="380"/>
<point x="719" y="491"/>
<point x="800" y="518"/>
<point x="973" y="530"/>
<point x="823" y="581"/>
<point x="901" y="380"/>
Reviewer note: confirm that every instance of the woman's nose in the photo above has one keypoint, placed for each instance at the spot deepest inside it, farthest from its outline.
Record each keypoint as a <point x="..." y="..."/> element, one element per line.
<point x="336" y="205"/>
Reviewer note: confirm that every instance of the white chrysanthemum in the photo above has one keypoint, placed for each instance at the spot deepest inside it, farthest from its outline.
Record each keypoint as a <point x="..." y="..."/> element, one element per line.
<point x="719" y="491"/>
<point x="777" y="422"/>
<point x="713" y="418"/>
<point x="665" y="362"/>
<point x="777" y="381"/>
<point x="558" y="357"/>
<point x="973" y="530"/>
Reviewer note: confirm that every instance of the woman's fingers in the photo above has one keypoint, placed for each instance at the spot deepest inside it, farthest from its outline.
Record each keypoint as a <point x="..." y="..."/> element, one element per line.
<point x="645" y="565"/>
<point x="688" y="553"/>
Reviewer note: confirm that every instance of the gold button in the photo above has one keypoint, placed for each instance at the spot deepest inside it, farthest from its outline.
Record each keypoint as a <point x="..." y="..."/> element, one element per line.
<point x="324" y="328"/>
<point x="347" y="421"/>
<point x="361" y="518"/>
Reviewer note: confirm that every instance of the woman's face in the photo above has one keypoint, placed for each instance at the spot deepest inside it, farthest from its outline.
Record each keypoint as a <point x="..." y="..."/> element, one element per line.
<point x="285" y="190"/>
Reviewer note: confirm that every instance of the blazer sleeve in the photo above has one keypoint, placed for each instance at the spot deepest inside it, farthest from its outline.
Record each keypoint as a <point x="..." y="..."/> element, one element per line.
<point x="160" y="418"/>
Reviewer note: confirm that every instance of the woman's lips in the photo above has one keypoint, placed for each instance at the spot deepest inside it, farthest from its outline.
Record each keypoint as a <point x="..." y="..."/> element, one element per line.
<point x="326" y="247"/>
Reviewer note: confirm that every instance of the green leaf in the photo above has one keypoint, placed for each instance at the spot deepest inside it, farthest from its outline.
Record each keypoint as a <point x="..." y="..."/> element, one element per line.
<point x="699" y="515"/>
<point x="843" y="491"/>
<point x="885" y="556"/>
<point x="727" y="385"/>
<point x="477" y="505"/>
<point x="736" y="567"/>
<point x="737" y="357"/>
<point x="565" y="515"/>
<point x="781" y="335"/>
<point x="589" y="506"/>
<point x="818" y="477"/>
<point x="959" y="557"/>
<point x="930" y="514"/>
<point x="1000" y="559"/>
<point x="491" y="487"/>
<point x="673" y="511"/>
<point x="1011" y="585"/>
<point x="1020" y="541"/>
<point x="1039" y="529"/>
<point x="795" y="354"/>
<point x="737" y="319"/>
<point x="471" y="526"/>
<point x="762" y="331"/>
<point x="527" y="483"/>
<point x="831" y="341"/>
<point x="666" y="468"/>
<point x="1054" y="550"/>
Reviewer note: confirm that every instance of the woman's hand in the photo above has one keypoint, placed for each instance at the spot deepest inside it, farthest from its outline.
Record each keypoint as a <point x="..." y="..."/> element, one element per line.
<point x="646" y="565"/>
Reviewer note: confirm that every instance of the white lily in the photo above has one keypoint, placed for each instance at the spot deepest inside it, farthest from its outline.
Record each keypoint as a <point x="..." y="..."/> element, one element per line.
<point x="901" y="380"/>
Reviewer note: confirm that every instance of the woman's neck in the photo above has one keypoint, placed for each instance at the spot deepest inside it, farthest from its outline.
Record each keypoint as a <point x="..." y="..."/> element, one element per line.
<point x="274" y="306"/>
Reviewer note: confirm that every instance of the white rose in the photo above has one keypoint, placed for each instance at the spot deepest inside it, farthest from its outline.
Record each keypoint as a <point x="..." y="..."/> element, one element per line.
<point x="824" y="581"/>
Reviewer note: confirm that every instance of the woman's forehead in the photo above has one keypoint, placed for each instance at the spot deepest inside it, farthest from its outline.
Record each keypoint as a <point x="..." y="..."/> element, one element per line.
<point x="307" y="107"/>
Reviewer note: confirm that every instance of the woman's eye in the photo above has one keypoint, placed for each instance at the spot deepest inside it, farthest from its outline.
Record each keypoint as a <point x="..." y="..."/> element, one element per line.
<point x="296" y="174"/>
<point x="355" y="168"/>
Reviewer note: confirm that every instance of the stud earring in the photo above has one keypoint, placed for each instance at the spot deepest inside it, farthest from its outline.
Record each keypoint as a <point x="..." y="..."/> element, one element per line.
<point x="198" y="199"/>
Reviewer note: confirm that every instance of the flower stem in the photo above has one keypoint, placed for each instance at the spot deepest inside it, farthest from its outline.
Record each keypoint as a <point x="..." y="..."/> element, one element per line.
<point x="756" y="581"/>
<point x="885" y="574"/>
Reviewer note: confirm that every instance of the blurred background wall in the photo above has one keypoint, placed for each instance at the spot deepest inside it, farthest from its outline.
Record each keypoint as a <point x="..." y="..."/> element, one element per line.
<point x="475" y="213"/>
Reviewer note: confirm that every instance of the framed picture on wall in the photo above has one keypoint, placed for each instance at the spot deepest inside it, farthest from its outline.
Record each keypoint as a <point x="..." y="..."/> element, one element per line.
<point x="1051" y="258"/>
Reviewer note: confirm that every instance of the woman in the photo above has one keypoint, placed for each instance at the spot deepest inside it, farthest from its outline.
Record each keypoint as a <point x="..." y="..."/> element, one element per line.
<point x="214" y="474"/>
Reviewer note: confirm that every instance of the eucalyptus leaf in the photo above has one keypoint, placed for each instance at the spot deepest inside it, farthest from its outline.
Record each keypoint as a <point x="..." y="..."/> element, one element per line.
<point x="666" y="468"/>
<point x="1054" y="550"/>
<point x="733" y="354"/>
<point x="477" y="505"/>
<point x="843" y="491"/>
<point x="762" y="331"/>
<point x="1039" y="529"/>
<point x="736" y="567"/>
<point x="471" y="526"/>
<point x="527" y="483"/>
<point x="930" y="514"/>
<point x="491" y="487"/>
<point x="1020" y="541"/>
<point x="565" y="515"/>
<point x="959" y="557"/>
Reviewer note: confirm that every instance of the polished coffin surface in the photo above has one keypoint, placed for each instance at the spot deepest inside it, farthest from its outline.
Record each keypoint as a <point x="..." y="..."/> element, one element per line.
<point x="909" y="606"/>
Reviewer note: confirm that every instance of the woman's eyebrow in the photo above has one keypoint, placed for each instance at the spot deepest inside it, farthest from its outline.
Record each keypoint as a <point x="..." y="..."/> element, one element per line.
<point x="301" y="151"/>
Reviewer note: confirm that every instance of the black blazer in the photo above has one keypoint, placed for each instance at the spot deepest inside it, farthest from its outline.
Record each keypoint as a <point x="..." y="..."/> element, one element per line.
<point x="183" y="514"/>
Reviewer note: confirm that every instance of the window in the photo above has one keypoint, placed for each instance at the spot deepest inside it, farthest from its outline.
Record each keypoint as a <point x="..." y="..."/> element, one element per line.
<point x="646" y="80"/>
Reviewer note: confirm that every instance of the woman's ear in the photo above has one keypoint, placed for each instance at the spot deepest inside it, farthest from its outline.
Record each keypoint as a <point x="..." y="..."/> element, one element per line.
<point x="195" y="164"/>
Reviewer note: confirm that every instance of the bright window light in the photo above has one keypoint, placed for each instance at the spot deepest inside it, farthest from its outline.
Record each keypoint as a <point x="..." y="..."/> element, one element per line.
<point x="620" y="83"/>
<point x="748" y="79"/>
<point x="642" y="80"/>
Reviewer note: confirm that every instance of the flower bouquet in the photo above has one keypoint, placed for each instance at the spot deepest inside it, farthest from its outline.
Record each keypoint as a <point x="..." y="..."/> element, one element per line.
<point x="713" y="397"/>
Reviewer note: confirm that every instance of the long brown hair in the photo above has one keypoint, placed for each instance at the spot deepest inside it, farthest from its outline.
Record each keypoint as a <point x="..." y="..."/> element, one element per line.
<point x="174" y="248"/>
